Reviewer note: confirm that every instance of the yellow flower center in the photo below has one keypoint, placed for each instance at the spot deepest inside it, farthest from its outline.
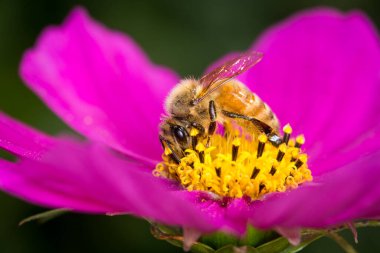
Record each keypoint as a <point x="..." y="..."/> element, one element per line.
<point x="236" y="164"/>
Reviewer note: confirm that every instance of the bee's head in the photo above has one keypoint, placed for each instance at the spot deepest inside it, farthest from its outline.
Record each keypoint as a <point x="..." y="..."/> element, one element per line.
<point x="176" y="134"/>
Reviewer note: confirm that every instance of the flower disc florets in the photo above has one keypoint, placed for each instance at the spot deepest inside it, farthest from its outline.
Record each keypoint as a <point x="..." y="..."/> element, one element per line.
<point x="236" y="164"/>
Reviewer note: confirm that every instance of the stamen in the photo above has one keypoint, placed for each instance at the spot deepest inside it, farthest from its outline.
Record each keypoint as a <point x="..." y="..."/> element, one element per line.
<point x="201" y="152"/>
<point x="287" y="132"/>
<point x="261" y="187"/>
<point x="281" y="152"/>
<point x="194" y="140"/>
<point x="300" y="140"/>
<point x="260" y="149"/>
<point x="236" y="163"/>
<point x="217" y="171"/>
<point x="235" y="148"/>
<point x="301" y="161"/>
<point x="255" y="172"/>
<point x="273" y="169"/>
<point x="295" y="154"/>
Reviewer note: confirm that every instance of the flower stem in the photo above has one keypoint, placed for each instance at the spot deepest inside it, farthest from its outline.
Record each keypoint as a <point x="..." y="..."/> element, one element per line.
<point x="341" y="242"/>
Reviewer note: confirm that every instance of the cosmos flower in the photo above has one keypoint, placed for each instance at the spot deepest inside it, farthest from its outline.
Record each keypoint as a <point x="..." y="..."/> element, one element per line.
<point x="320" y="72"/>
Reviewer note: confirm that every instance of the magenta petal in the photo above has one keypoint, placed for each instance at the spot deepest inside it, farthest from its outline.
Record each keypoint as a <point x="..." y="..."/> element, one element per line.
<point x="227" y="214"/>
<point x="293" y="235"/>
<point x="91" y="178"/>
<point x="21" y="140"/>
<point x="320" y="73"/>
<point x="101" y="83"/>
<point x="346" y="194"/>
<point x="190" y="236"/>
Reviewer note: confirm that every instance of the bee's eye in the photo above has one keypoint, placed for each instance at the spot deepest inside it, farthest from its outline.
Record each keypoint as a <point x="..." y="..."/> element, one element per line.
<point x="180" y="133"/>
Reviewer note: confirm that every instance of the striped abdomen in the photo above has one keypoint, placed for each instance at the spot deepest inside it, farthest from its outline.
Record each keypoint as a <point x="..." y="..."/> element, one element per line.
<point x="235" y="97"/>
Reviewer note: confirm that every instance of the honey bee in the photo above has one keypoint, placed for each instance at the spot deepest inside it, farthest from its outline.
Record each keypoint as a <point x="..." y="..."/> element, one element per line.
<point x="215" y="98"/>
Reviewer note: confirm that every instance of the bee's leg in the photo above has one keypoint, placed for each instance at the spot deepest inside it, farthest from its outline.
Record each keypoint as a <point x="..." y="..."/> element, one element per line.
<point x="212" y="113"/>
<point x="212" y="126"/>
<point x="174" y="156"/>
<point x="261" y="126"/>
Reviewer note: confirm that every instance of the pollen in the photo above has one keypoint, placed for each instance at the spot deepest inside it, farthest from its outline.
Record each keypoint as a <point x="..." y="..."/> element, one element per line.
<point x="237" y="164"/>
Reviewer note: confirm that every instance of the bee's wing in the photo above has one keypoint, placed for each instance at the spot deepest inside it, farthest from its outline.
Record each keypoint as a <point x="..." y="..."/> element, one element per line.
<point x="230" y="69"/>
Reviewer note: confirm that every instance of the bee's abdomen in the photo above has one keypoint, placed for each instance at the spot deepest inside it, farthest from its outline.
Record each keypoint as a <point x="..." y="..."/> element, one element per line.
<point x="235" y="97"/>
<point x="261" y="111"/>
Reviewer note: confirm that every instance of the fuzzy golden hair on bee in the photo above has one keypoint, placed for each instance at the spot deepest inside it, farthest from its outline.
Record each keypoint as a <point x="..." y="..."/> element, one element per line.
<point x="179" y="99"/>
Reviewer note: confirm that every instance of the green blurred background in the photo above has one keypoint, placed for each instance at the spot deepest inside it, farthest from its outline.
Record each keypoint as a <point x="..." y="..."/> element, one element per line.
<point x="184" y="35"/>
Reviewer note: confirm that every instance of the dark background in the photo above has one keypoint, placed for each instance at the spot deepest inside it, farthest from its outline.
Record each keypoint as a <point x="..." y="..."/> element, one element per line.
<point x="184" y="35"/>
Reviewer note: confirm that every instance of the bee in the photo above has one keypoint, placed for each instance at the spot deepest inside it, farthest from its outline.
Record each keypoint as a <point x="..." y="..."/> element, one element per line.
<point x="217" y="97"/>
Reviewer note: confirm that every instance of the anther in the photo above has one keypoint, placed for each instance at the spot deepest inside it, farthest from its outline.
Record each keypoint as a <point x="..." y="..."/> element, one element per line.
<point x="260" y="149"/>
<point x="295" y="154"/>
<point x="235" y="148"/>
<point x="217" y="170"/>
<point x="194" y="140"/>
<point x="300" y="140"/>
<point x="261" y="187"/>
<point x="281" y="152"/>
<point x="255" y="172"/>
<point x="287" y="132"/>
<point x="291" y="143"/>
<point x="202" y="156"/>
<point x="201" y="152"/>
<point x="273" y="169"/>
<point x="301" y="160"/>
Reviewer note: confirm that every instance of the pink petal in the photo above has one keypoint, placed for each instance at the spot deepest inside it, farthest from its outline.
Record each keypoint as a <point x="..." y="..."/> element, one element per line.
<point x="293" y="235"/>
<point x="100" y="83"/>
<point x="22" y="140"/>
<point x="226" y="212"/>
<point x="321" y="73"/>
<point x="346" y="194"/>
<point x="190" y="236"/>
<point x="92" y="178"/>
